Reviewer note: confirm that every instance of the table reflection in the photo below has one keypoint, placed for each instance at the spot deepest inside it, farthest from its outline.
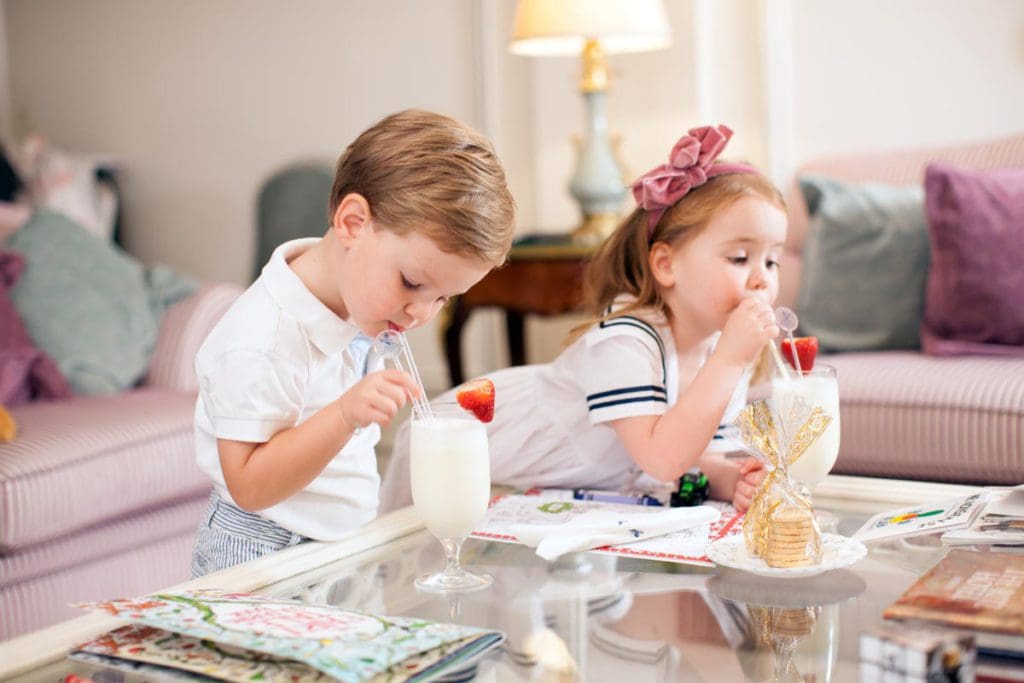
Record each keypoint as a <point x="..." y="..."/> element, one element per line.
<point x="593" y="617"/>
<point x="794" y="625"/>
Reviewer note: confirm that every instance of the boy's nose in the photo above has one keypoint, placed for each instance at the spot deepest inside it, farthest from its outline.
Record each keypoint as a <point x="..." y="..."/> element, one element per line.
<point x="420" y="312"/>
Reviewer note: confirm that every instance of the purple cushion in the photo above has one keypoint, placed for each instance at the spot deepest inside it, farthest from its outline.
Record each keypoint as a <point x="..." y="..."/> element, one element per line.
<point x="976" y="281"/>
<point x="25" y="372"/>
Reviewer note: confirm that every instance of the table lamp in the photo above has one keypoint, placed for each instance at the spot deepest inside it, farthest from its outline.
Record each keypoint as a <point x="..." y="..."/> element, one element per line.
<point x="592" y="28"/>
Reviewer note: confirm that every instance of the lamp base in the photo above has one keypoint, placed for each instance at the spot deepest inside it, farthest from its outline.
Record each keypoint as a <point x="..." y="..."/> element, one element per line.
<point x="596" y="228"/>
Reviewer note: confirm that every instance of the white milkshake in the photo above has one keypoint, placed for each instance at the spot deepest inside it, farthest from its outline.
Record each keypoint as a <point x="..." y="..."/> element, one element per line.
<point x="450" y="474"/>
<point x="818" y="388"/>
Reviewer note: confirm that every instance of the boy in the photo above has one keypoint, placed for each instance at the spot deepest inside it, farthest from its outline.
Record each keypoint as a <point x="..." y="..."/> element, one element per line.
<point x="290" y="401"/>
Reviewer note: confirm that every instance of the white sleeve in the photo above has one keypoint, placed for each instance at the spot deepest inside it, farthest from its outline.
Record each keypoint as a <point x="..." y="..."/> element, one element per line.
<point x="252" y="395"/>
<point x="623" y="370"/>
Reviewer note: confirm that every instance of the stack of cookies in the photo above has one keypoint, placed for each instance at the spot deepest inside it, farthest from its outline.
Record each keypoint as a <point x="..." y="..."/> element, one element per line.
<point x="793" y="538"/>
<point x="794" y="623"/>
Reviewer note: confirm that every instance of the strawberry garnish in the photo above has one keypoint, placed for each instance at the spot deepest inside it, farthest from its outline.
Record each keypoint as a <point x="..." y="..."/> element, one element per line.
<point x="478" y="398"/>
<point x="806" y="351"/>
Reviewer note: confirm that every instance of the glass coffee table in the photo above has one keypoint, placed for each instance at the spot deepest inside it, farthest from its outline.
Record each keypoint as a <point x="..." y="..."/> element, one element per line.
<point x="590" y="617"/>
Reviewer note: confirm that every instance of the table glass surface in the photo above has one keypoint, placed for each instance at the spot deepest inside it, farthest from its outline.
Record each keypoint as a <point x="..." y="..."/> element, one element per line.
<point x="630" y="619"/>
<point x="593" y="617"/>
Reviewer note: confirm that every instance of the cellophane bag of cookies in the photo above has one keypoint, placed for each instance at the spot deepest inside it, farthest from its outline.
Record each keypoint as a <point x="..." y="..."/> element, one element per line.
<point x="780" y="527"/>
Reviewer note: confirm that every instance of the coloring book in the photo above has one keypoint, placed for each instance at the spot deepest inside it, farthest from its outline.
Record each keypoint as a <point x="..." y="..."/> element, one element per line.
<point x="554" y="507"/>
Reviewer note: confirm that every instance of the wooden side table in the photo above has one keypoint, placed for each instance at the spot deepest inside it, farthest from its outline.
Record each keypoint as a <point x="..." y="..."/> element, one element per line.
<point x="544" y="276"/>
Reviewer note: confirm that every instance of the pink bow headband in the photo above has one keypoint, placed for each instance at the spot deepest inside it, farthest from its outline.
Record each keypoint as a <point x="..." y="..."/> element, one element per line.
<point x="690" y="164"/>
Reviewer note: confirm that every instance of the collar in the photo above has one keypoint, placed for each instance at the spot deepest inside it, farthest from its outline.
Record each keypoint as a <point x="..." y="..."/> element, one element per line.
<point x="653" y="316"/>
<point x="322" y="326"/>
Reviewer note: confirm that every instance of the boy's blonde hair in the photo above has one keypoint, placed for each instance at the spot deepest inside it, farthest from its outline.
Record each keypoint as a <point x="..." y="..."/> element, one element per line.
<point x="421" y="171"/>
<point x="622" y="264"/>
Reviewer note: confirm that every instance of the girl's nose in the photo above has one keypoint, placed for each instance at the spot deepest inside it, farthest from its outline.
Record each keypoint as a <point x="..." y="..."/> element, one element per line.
<point x="759" y="278"/>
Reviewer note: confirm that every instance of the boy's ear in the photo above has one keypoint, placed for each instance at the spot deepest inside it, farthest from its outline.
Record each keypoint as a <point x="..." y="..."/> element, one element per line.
<point x="659" y="258"/>
<point x="351" y="216"/>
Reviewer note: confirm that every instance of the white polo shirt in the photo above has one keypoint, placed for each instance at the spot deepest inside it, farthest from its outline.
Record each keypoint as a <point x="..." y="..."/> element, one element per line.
<point x="278" y="356"/>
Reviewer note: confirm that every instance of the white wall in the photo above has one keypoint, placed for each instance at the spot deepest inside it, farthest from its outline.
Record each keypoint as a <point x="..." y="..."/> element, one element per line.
<point x="878" y="74"/>
<point x="201" y="100"/>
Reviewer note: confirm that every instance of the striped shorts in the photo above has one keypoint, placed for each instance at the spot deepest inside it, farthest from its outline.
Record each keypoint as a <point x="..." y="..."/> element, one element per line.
<point x="228" y="535"/>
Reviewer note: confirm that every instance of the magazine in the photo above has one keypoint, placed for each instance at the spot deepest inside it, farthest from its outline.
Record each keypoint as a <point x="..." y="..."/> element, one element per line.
<point x="246" y="637"/>
<point x="944" y="515"/>
<point x="978" y="590"/>
<point x="1000" y="523"/>
<point x="554" y="507"/>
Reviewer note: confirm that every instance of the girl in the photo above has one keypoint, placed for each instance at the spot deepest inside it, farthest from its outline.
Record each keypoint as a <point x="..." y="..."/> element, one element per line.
<point x="681" y="299"/>
<point x="290" y="401"/>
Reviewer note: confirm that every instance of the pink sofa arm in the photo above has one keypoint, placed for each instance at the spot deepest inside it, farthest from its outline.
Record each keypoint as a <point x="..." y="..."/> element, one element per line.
<point x="182" y="332"/>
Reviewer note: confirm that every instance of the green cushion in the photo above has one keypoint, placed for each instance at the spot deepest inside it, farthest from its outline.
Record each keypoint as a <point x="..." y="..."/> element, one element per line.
<point x="865" y="265"/>
<point x="292" y="204"/>
<point x="86" y="303"/>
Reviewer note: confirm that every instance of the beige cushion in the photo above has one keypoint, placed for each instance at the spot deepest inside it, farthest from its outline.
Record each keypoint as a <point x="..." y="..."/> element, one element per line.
<point x="907" y="415"/>
<point x="152" y="565"/>
<point x="90" y="459"/>
<point x="124" y="534"/>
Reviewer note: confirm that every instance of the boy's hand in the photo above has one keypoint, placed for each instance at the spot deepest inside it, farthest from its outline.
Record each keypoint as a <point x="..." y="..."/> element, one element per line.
<point x="376" y="398"/>
<point x="750" y="326"/>
<point x="751" y="474"/>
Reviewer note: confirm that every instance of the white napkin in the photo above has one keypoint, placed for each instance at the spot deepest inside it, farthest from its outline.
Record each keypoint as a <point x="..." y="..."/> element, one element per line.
<point x="598" y="528"/>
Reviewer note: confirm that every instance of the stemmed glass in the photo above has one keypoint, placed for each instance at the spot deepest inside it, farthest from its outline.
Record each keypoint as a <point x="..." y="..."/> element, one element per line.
<point x="451" y="484"/>
<point x="450" y="472"/>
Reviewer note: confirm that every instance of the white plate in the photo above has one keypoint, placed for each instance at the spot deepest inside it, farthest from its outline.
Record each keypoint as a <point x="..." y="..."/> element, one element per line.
<point x="836" y="552"/>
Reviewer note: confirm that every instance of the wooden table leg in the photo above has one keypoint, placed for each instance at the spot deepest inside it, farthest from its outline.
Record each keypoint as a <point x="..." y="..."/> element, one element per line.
<point x="515" y="332"/>
<point x="526" y="286"/>
<point x="453" y="340"/>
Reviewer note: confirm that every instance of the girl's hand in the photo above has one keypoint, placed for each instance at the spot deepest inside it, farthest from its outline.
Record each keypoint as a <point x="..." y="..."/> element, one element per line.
<point x="751" y="474"/>
<point x="376" y="398"/>
<point x="750" y="326"/>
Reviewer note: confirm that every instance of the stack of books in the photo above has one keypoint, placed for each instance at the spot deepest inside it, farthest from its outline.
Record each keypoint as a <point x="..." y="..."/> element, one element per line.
<point x="982" y="591"/>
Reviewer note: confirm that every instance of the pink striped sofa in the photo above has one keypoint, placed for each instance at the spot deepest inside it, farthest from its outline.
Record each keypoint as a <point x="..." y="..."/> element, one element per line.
<point x="906" y="414"/>
<point x="100" y="495"/>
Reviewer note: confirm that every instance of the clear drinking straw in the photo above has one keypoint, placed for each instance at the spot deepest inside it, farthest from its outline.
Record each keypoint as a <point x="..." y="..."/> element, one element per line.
<point x="779" y="363"/>
<point x="788" y="322"/>
<point x="392" y="345"/>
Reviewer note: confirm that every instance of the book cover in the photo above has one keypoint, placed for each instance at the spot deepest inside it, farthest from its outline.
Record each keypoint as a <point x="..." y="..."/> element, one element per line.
<point x="147" y="650"/>
<point x="1000" y="523"/>
<point x="983" y="591"/>
<point x="245" y="637"/>
<point x="944" y="515"/>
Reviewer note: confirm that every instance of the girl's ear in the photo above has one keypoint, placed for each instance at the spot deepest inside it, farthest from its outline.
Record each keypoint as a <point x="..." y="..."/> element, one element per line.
<point x="659" y="258"/>
<point x="351" y="217"/>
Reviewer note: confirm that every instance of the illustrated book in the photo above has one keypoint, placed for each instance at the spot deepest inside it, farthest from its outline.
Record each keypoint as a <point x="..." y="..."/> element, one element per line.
<point x="246" y="637"/>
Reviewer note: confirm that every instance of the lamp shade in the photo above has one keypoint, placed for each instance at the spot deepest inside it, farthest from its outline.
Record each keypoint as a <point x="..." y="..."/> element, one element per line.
<point x="562" y="27"/>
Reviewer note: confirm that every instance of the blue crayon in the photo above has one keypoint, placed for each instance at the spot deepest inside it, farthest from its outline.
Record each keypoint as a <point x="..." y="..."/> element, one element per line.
<point x="613" y="497"/>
